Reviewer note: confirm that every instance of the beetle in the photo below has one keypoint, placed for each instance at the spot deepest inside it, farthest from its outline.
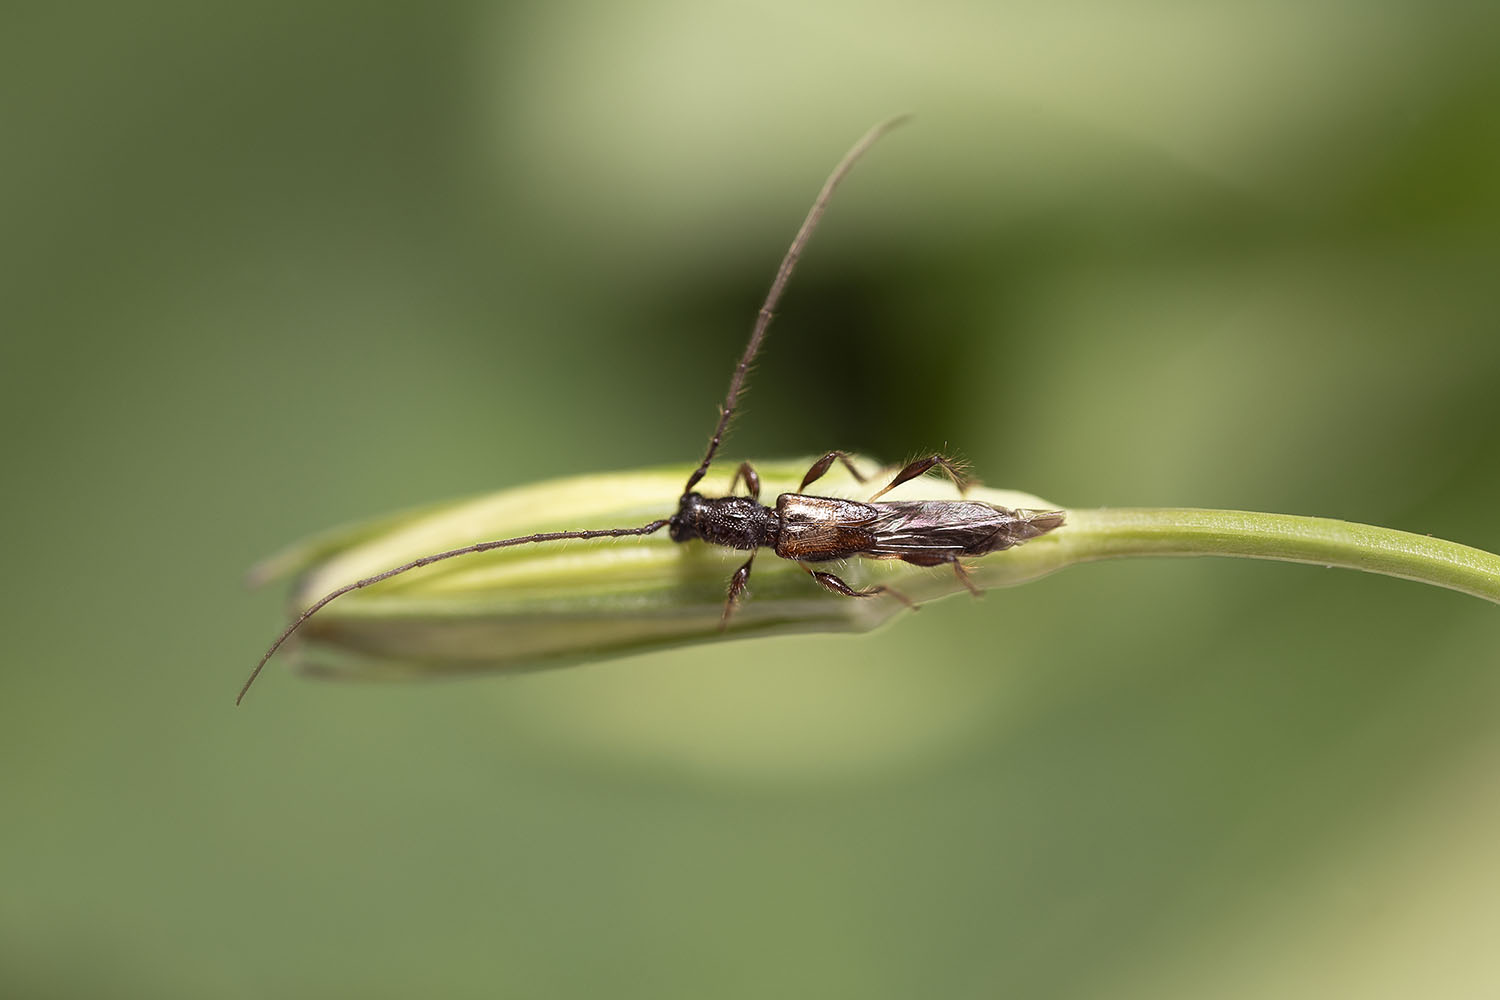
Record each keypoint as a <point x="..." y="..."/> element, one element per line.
<point x="813" y="529"/>
<point x="802" y="527"/>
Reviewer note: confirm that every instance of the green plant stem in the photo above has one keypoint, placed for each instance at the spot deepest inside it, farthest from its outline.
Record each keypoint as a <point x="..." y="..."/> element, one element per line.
<point x="1113" y="533"/>
<point x="581" y="601"/>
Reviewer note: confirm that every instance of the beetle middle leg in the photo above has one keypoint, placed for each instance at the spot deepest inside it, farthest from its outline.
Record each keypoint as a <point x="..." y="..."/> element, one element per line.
<point x="822" y="465"/>
<point x="920" y="467"/>
<point x="830" y="582"/>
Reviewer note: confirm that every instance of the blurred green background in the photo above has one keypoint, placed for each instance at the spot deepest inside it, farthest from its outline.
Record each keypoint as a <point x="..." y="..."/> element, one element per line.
<point x="267" y="268"/>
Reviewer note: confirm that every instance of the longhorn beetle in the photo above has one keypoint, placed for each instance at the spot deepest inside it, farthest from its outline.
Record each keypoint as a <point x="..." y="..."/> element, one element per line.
<point x="807" y="529"/>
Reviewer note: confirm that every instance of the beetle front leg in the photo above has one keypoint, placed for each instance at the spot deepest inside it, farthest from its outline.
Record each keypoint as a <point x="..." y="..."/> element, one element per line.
<point x="747" y="472"/>
<point x="737" y="584"/>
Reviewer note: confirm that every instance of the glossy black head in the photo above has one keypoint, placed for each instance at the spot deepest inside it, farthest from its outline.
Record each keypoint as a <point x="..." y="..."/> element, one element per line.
<point x="683" y="525"/>
<point x="736" y="522"/>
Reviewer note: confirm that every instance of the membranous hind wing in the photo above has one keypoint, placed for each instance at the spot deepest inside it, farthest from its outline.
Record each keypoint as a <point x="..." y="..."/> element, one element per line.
<point x="932" y="532"/>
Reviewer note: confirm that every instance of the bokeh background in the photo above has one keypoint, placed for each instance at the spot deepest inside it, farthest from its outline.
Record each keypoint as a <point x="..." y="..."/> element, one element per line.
<point x="265" y="268"/>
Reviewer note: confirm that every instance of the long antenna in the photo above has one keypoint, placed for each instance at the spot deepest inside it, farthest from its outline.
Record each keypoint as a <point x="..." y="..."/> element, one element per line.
<point x="546" y="536"/>
<point x="763" y="318"/>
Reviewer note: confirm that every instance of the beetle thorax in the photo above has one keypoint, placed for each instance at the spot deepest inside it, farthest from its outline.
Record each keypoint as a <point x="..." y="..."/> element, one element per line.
<point x="735" y="522"/>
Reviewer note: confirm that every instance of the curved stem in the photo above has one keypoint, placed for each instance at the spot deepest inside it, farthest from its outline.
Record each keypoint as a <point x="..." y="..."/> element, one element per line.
<point x="1112" y="533"/>
<point x="531" y="606"/>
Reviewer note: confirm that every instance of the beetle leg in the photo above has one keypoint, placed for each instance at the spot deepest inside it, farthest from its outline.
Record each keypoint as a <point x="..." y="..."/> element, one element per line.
<point x="962" y="572"/>
<point x="825" y="463"/>
<point x="833" y="583"/>
<point x="920" y="467"/>
<point x="747" y="472"/>
<point x="737" y="585"/>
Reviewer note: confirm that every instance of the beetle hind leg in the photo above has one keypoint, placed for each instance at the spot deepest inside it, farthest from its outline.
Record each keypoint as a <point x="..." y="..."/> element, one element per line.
<point x="959" y="569"/>
<point x="962" y="572"/>
<point x="921" y="466"/>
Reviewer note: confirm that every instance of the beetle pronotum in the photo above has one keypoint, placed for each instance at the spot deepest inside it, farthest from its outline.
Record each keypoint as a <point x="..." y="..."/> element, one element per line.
<point x="804" y="528"/>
